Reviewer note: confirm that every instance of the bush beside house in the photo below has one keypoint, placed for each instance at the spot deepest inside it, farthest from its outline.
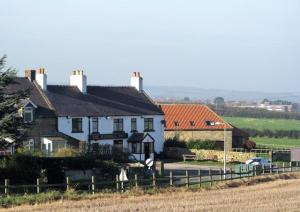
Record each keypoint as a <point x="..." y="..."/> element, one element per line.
<point x="25" y="169"/>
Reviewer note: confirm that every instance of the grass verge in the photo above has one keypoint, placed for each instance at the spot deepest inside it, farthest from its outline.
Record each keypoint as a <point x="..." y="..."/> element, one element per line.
<point x="52" y="196"/>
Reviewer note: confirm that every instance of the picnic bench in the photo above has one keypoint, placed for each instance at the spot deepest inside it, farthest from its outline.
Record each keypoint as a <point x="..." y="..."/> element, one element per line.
<point x="188" y="157"/>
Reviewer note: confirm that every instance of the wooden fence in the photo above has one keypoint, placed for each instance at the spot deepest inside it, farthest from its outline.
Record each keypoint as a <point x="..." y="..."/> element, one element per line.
<point x="203" y="178"/>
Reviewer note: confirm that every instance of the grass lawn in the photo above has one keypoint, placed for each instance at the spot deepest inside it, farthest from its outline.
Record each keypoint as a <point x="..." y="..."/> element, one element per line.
<point x="261" y="124"/>
<point x="277" y="142"/>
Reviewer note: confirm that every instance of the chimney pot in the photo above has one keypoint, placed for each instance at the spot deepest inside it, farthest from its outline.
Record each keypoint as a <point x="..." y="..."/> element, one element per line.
<point x="30" y="74"/>
<point x="79" y="80"/>
<point x="137" y="81"/>
<point x="41" y="78"/>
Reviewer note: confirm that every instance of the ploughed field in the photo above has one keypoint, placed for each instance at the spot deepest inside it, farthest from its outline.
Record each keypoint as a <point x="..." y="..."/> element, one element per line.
<point x="281" y="195"/>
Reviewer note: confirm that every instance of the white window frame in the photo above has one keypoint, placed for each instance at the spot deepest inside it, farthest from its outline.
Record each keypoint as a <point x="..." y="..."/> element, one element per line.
<point x="28" y="110"/>
<point x="95" y="121"/>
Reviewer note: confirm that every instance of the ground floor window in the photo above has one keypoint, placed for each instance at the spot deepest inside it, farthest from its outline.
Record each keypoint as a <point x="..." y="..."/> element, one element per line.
<point x="50" y="146"/>
<point x="56" y="145"/>
<point x="118" y="144"/>
<point x="135" y="148"/>
<point x="29" y="144"/>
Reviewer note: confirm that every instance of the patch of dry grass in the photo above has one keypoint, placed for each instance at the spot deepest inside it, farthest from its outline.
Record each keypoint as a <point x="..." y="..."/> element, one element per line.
<point x="279" y="195"/>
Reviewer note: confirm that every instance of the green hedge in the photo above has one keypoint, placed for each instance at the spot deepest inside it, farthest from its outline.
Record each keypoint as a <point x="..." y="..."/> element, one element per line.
<point x="191" y="144"/>
<point x="197" y="144"/>
<point x="22" y="169"/>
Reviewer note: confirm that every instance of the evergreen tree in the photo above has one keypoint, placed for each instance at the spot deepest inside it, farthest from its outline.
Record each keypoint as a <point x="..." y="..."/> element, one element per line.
<point x="12" y="127"/>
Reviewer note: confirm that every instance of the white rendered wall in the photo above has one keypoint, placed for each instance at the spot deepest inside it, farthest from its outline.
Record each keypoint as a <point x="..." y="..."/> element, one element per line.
<point x="105" y="125"/>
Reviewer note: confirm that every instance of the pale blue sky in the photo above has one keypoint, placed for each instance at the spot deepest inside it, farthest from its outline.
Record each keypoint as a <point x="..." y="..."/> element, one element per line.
<point x="234" y="44"/>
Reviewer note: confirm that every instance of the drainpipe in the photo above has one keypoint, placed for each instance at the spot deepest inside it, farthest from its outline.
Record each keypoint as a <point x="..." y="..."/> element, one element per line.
<point x="89" y="134"/>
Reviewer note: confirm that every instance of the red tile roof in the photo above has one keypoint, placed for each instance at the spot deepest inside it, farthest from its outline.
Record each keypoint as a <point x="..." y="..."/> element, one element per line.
<point x="184" y="114"/>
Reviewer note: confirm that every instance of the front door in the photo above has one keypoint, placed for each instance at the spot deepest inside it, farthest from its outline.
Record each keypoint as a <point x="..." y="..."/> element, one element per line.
<point x="147" y="150"/>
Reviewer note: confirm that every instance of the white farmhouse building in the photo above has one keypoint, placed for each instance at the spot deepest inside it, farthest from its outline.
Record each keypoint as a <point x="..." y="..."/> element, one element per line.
<point x="121" y="116"/>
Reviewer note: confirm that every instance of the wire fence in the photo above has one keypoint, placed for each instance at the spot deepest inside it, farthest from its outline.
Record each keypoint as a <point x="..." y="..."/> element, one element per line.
<point x="260" y="151"/>
<point x="192" y="178"/>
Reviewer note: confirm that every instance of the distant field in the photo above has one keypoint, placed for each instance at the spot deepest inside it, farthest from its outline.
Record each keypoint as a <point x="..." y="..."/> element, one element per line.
<point x="261" y="124"/>
<point x="278" y="142"/>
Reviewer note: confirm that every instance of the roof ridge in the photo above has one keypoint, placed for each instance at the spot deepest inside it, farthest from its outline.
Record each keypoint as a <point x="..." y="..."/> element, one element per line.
<point x="185" y="104"/>
<point x="225" y="122"/>
<point x="44" y="96"/>
<point x="111" y="86"/>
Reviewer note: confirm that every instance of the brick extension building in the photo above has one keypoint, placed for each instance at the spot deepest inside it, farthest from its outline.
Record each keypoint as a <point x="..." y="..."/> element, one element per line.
<point x="199" y="122"/>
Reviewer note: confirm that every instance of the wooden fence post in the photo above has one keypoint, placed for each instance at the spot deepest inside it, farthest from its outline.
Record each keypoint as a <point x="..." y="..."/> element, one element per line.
<point x="171" y="178"/>
<point x="221" y="175"/>
<point x="271" y="168"/>
<point x="283" y="166"/>
<point x="6" y="184"/>
<point x="68" y="183"/>
<point x="93" y="185"/>
<point x="117" y="183"/>
<point x="210" y="177"/>
<point x="136" y="180"/>
<point x="230" y="173"/>
<point x="248" y="170"/>
<point x="200" y="178"/>
<point x="263" y="169"/>
<point x="240" y="171"/>
<point x="153" y="180"/>
<point x="37" y="185"/>
<point x="187" y="180"/>
<point x="291" y="165"/>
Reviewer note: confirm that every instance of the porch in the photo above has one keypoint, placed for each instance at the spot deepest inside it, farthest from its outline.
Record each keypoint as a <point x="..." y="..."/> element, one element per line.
<point x="141" y="146"/>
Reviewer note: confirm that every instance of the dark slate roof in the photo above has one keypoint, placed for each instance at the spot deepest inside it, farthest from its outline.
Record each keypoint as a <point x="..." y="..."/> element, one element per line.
<point x="100" y="101"/>
<point x="23" y="84"/>
<point x="138" y="137"/>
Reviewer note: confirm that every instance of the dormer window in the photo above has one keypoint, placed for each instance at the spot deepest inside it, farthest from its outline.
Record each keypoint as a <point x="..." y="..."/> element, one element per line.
<point x="176" y="123"/>
<point x="192" y="123"/>
<point x="28" y="114"/>
<point x="210" y="123"/>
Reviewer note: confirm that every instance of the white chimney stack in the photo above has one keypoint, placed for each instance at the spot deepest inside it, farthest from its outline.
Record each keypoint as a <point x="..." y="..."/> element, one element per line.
<point x="78" y="79"/>
<point x="41" y="78"/>
<point x="137" y="81"/>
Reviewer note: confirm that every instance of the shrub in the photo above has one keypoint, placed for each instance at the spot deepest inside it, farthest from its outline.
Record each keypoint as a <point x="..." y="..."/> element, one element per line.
<point x="66" y="152"/>
<point x="198" y="144"/>
<point x="25" y="169"/>
<point x="249" y="145"/>
<point x="173" y="142"/>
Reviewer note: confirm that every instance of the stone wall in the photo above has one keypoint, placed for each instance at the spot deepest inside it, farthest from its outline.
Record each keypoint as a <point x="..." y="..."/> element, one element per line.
<point x="214" y="135"/>
<point x="202" y="154"/>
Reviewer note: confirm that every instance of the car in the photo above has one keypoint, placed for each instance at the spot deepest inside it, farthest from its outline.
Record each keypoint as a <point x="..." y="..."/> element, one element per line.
<point x="258" y="161"/>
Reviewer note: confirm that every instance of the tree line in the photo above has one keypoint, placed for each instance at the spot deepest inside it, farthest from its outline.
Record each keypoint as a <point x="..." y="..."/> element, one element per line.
<point x="293" y="134"/>
<point x="254" y="113"/>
